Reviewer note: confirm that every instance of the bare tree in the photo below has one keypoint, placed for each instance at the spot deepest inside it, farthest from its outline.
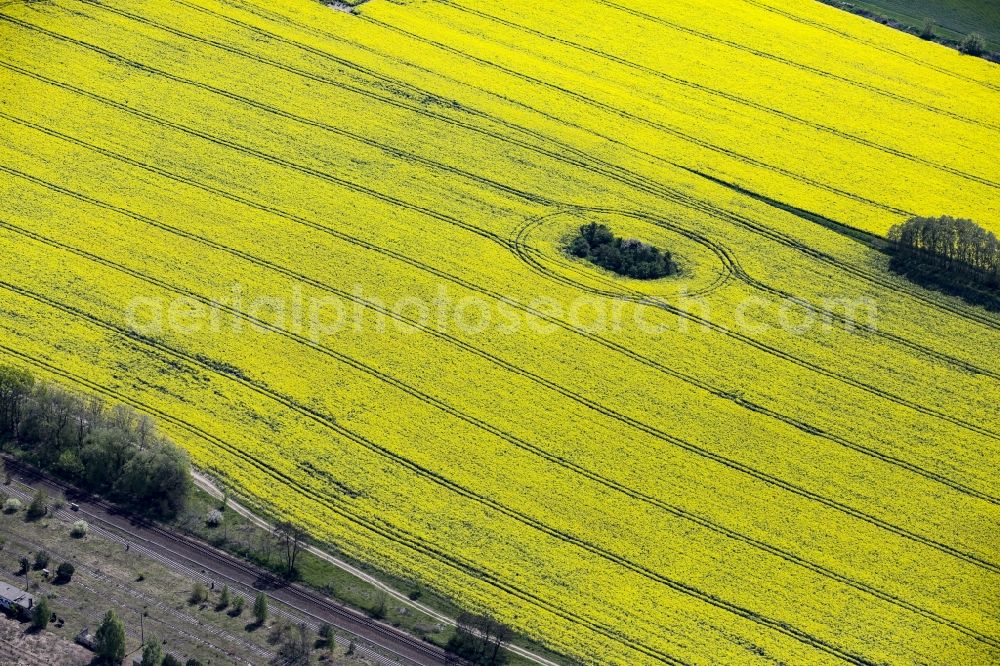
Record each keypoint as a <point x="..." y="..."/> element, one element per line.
<point x="292" y="538"/>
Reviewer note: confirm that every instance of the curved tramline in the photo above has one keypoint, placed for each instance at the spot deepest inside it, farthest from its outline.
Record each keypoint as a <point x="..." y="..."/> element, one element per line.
<point x="715" y="462"/>
<point x="451" y="220"/>
<point x="568" y="464"/>
<point x="640" y="298"/>
<point x="643" y="184"/>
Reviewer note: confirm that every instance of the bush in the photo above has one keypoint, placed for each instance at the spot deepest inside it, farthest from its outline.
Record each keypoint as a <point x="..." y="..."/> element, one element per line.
<point x="214" y="518"/>
<point x="170" y="660"/>
<point x="238" y="604"/>
<point x="260" y="608"/>
<point x="80" y="529"/>
<point x="41" y="560"/>
<point x="38" y="507"/>
<point x="152" y="652"/>
<point x="41" y="614"/>
<point x="224" y="598"/>
<point x="973" y="44"/>
<point x="624" y="256"/>
<point x="326" y="634"/>
<point x="199" y="593"/>
<point x="13" y="505"/>
<point x="64" y="573"/>
<point x="379" y="610"/>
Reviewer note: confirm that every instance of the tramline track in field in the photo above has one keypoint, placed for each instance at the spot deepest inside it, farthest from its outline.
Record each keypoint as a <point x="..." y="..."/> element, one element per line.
<point x="683" y="444"/>
<point x="576" y="468"/>
<point x="967" y="312"/>
<point x="337" y="505"/>
<point x="309" y="171"/>
<point x="886" y="49"/>
<point x="550" y="319"/>
<point x="724" y="95"/>
<point x="657" y="190"/>
<point x="659" y="20"/>
<point x="637" y="568"/>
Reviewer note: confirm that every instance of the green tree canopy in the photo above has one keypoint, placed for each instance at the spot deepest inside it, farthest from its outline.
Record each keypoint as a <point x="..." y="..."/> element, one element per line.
<point x="110" y="639"/>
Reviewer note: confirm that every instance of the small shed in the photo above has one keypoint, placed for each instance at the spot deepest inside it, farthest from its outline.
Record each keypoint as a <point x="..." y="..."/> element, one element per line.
<point x="86" y="639"/>
<point x="16" y="600"/>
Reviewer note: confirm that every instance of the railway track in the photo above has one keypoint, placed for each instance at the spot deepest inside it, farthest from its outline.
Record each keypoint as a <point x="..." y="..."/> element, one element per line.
<point x="383" y="644"/>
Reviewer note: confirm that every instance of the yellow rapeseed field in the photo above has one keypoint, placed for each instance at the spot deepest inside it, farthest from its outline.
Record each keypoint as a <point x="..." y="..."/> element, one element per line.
<point x="325" y="250"/>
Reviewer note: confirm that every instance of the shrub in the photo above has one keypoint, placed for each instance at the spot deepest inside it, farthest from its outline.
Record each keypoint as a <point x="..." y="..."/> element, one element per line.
<point x="224" y="598"/>
<point x="260" y="608"/>
<point x="214" y="518"/>
<point x="170" y="660"/>
<point x="80" y="529"/>
<point x="379" y="610"/>
<point x="65" y="572"/>
<point x="973" y="44"/>
<point x="13" y="505"/>
<point x="25" y="564"/>
<point x="238" y="604"/>
<point x="41" y="559"/>
<point x="38" y="507"/>
<point x="41" y="614"/>
<point x="199" y="593"/>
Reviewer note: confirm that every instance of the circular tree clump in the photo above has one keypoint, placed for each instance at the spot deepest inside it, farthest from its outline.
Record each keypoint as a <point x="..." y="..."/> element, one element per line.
<point x="628" y="257"/>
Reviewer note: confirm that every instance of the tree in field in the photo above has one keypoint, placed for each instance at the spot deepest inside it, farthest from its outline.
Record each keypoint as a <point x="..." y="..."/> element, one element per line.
<point x="625" y="256"/>
<point x="152" y="652"/>
<point x="260" y="608"/>
<point x="956" y="254"/>
<point x="928" y="30"/>
<point x="41" y="614"/>
<point x="110" y="639"/>
<point x="291" y="537"/>
<point x="479" y="639"/>
<point x="973" y="44"/>
<point x="15" y="387"/>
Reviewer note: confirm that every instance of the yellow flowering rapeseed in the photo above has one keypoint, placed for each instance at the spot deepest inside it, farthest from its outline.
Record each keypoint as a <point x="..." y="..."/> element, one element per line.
<point x="786" y="454"/>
